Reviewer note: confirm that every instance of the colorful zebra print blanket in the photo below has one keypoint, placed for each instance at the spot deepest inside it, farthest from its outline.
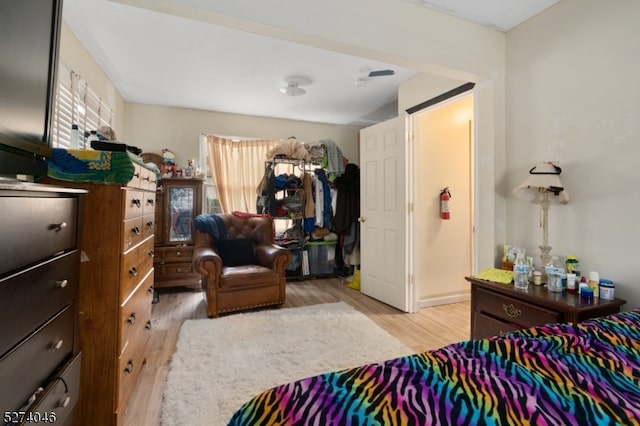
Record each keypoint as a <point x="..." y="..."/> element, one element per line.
<point x="585" y="374"/>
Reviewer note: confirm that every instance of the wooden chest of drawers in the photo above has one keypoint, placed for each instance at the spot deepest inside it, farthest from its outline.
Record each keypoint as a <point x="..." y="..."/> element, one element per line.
<point x="116" y="293"/>
<point x="497" y="309"/>
<point x="39" y="281"/>
<point x="179" y="201"/>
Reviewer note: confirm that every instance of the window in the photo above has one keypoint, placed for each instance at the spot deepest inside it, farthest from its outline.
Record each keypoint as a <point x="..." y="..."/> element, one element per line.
<point x="236" y="168"/>
<point x="77" y="104"/>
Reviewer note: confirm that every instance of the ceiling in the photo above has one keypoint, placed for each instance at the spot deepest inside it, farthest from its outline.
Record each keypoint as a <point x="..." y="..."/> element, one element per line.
<point x="160" y="58"/>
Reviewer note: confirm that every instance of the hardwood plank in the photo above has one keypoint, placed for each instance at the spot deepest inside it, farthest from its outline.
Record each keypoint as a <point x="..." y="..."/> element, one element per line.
<point x="429" y="328"/>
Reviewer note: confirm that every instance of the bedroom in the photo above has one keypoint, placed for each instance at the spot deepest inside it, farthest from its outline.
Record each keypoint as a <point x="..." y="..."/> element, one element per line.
<point x="552" y="113"/>
<point x="545" y="107"/>
<point x="567" y="94"/>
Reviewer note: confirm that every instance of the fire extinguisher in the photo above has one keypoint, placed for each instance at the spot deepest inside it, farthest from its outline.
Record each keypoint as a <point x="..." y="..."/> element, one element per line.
<point x="445" y="196"/>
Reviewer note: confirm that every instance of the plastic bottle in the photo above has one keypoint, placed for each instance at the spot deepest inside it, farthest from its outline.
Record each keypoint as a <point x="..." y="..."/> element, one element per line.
<point x="571" y="283"/>
<point x="537" y="277"/>
<point x="572" y="265"/>
<point x="520" y="272"/>
<point x="75" y="137"/>
<point x="583" y="284"/>
<point x="607" y="289"/>
<point x="93" y="136"/>
<point x="554" y="275"/>
<point x="594" y="283"/>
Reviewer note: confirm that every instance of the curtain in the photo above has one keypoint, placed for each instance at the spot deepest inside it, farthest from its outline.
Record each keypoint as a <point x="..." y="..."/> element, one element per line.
<point x="236" y="170"/>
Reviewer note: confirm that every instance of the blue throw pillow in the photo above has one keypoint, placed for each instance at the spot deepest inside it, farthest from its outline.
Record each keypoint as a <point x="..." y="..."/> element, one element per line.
<point x="236" y="251"/>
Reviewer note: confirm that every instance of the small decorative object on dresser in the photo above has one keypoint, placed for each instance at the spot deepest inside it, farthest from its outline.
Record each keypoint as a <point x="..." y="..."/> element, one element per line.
<point x="497" y="309"/>
<point x="178" y="202"/>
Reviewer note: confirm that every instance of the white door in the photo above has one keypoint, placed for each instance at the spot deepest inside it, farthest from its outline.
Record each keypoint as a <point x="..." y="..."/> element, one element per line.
<point x="384" y="214"/>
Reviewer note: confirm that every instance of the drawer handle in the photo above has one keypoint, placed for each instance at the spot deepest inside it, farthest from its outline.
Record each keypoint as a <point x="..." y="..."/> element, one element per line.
<point x="150" y="289"/>
<point x="137" y="175"/>
<point x="136" y="202"/>
<point x="62" y="283"/>
<point x="57" y="345"/>
<point x="129" y="368"/>
<point x="178" y="269"/>
<point x="178" y="253"/>
<point x="135" y="230"/>
<point x="150" y="202"/>
<point x="58" y="226"/>
<point x="148" y="325"/>
<point x="511" y="311"/>
<point x="151" y="253"/>
<point x="65" y="402"/>
<point x="132" y="318"/>
<point x="147" y="178"/>
<point x="150" y="225"/>
<point x="133" y="271"/>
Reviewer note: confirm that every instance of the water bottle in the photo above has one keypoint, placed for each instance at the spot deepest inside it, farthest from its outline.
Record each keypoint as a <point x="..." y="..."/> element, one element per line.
<point x="520" y="272"/>
<point x="573" y="265"/>
<point x="74" y="142"/>
<point x="554" y="275"/>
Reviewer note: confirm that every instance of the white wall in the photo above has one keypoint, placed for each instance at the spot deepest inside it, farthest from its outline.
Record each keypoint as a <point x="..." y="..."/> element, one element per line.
<point x="153" y="127"/>
<point x="443" y="248"/>
<point x="74" y="55"/>
<point x="573" y="96"/>
<point x="424" y="87"/>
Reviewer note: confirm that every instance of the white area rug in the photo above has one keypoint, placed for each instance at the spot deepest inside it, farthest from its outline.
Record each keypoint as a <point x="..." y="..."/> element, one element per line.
<point x="221" y="363"/>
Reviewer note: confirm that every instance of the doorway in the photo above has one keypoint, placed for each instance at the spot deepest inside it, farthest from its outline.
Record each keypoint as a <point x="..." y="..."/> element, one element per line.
<point x="436" y="255"/>
<point x="442" y="252"/>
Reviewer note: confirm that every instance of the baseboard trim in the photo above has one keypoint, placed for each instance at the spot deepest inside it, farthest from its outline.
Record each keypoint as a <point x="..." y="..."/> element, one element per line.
<point x="443" y="300"/>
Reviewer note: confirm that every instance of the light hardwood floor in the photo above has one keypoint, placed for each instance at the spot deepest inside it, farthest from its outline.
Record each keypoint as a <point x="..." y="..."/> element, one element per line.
<point x="429" y="328"/>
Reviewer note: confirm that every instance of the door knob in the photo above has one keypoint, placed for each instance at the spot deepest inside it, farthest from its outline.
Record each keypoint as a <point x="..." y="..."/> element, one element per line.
<point x="362" y="219"/>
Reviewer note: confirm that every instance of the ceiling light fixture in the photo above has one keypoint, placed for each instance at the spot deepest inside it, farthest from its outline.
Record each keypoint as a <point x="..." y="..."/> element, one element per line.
<point x="293" y="86"/>
<point x="293" y="89"/>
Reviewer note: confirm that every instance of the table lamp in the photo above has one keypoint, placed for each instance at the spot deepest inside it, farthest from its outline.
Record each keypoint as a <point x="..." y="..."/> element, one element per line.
<point x="543" y="187"/>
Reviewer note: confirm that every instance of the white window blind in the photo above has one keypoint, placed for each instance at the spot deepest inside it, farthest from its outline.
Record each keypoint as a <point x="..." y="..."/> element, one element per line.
<point x="76" y="104"/>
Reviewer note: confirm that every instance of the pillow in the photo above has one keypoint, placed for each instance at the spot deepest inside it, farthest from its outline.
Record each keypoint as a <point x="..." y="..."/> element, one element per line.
<point x="236" y="251"/>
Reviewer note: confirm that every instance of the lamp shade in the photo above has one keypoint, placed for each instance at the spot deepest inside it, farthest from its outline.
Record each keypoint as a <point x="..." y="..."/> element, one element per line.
<point x="543" y="178"/>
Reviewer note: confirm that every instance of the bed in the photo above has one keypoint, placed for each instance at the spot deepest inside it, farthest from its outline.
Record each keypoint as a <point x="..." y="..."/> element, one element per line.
<point x="557" y="374"/>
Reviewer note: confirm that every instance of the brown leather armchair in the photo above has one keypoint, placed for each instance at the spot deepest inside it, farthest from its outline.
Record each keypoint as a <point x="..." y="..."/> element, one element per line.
<point x="254" y="275"/>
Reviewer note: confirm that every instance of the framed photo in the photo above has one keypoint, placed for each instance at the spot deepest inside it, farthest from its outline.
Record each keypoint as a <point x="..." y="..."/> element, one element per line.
<point x="168" y="170"/>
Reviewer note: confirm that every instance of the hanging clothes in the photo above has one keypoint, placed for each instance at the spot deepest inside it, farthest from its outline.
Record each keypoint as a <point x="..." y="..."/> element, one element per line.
<point x="266" y="201"/>
<point x="324" y="214"/>
<point x="348" y="199"/>
<point x="335" y="166"/>
<point x="319" y="196"/>
<point x="309" y="205"/>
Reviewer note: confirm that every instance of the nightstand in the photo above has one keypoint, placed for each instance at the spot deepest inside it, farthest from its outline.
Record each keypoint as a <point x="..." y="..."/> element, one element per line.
<point x="497" y="309"/>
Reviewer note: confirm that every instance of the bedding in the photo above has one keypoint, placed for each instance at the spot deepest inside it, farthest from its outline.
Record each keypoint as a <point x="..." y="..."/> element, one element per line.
<point x="556" y="374"/>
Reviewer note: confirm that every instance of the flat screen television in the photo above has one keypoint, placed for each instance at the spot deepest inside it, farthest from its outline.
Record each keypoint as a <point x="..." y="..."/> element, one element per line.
<point x="29" y="42"/>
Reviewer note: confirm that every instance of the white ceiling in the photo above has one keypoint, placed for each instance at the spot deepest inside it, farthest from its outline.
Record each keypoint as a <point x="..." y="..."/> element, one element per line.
<point x="161" y="59"/>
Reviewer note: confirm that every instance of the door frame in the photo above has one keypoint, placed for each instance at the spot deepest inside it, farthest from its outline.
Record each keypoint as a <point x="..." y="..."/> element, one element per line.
<point x="411" y="114"/>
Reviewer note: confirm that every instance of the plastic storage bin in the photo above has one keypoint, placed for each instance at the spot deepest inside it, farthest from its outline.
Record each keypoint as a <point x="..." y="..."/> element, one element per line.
<point x="322" y="257"/>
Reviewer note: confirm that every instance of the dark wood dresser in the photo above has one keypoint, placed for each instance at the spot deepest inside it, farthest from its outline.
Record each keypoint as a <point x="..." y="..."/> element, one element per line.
<point x="497" y="309"/>
<point x="39" y="280"/>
